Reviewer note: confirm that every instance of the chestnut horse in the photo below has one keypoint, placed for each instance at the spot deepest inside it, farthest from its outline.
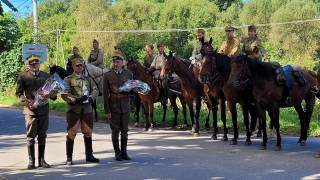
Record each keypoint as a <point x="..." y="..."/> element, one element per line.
<point x="216" y="68"/>
<point x="153" y="96"/>
<point x="191" y="87"/>
<point x="270" y="96"/>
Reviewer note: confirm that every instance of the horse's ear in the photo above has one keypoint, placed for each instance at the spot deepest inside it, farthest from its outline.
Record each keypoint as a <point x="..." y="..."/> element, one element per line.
<point x="170" y="54"/>
<point x="202" y="41"/>
<point x="210" y="41"/>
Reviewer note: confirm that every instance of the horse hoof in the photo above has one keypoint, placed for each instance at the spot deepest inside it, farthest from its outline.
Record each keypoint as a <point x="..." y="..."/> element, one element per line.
<point x="145" y="129"/>
<point x="214" y="137"/>
<point x="302" y="143"/>
<point x="136" y="124"/>
<point x="207" y="127"/>
<point x="150" y="129"/>
<point x="196" y="134"/>
<point x="174" y="127"/>
<point x="248" y="142"/>
<point x="233" y="142"/>
<point x="184" y="126"/>
<point x="277" y="148"/>
<point x="225" y="138"/>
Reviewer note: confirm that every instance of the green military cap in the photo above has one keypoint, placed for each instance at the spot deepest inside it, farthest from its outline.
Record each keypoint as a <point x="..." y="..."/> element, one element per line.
<point x="95" y="41"/>
<point x="229" y="28"/>
<point x="202" y="31"/>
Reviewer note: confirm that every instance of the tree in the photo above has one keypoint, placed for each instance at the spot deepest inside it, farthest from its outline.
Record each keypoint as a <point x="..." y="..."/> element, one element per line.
<point x="9" y="32"/>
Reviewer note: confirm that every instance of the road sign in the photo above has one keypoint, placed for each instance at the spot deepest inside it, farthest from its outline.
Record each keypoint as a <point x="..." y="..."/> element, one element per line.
<point x="34" y="49"/>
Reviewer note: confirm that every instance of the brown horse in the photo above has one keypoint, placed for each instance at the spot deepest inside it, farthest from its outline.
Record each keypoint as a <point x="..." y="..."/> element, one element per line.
<point x="153" y="96"/>
<point x="216" y="68"/>
<point x="269" y="95"/>
<point x="191" y="87"/>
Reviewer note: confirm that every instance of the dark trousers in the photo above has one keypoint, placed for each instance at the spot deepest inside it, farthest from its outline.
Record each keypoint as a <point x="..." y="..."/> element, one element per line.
<point x="36" y="125"/>
<point x="119" y="124"/>
<point x="82" y="121"/>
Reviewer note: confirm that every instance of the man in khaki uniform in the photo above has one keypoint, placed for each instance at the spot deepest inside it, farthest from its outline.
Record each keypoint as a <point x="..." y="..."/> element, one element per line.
<point x="80" y="93"/>
<point x="36" y="119"/>
<point x="149" y="56"/>
<point x="117" y="105"/>
<point x="252" y="45"/>
<point x="96" y="55"/>
<point x="230" y="47"/>
<point x="196" y="55"/>
<point x="75" y="54"/>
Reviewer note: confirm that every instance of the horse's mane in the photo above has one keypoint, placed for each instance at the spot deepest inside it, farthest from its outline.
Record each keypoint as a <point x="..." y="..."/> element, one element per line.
<point x="223" y="63"/>
<point x="260" y="69"/>
<point x="59" y="70"/>
<point x="184" y="69"/>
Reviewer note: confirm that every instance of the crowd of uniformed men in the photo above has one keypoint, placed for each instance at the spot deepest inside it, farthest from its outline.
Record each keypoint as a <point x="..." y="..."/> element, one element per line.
<point x="81" y="92"/>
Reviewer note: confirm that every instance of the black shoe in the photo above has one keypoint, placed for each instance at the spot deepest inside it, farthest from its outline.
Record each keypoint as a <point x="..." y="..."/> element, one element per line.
<point x="88" y="149"/>
<point x="42" y="162"/>
<point x="69" y="151"/>
<point x="118" y="156"/>
<point x="124" y="156"/>
<point x="124" y="142"/>
<point x="31" y="164"/>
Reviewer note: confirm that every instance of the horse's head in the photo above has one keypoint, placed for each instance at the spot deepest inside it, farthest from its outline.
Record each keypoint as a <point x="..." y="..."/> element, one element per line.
<point x="206" y="47"/>
<point x="59" y="70"/>
<point x="208" y="70"/>
<point x="52" y="69"/>
<point x="131" y="65"/>
<point x="167" y="65"/>
<point x="240" y="74"/>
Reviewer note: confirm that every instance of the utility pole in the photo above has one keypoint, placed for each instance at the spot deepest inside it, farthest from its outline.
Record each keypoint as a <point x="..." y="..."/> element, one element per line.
<point x="35" y="21"/>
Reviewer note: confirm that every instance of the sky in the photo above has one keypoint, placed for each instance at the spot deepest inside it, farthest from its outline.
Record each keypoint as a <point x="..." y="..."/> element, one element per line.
<point x="24" y="7"/>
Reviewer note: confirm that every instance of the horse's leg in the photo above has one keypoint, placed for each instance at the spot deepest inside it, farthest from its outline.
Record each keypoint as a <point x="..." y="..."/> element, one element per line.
<point x="197" y="125"/>
<point x="175" y="110"/>
<point x="302" y="118"/>
<point x="254" y="119"/>
<point x="309" y="109"/>
<point x="146" y="115"/>
<point x="209" y="106"/>
<point x="233" y="110"/>
<point x="184" y="112"/>
<point x="137" y="112"/>
<point x="164" y="107"/>
<point x="214" y="109"/>
<point x="245" y="111"/>
<point x="224" y="119"/>
<point x="94" y="106"/>
<point x="151" y="115"/>
<point x="277" y="127"/>
<point x="191" y="111"/>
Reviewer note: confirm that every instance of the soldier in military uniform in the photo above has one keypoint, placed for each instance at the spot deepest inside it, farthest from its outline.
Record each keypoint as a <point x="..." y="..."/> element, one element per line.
<point x="117" y="105"/>
<point x="230" y="46"/>
<point x="96" y="55"/>
<point x="252" y="45"/>
<point x="75" y="54"/>
<point x="149" y="56"/>
<point x="36" y="118"/>
<point x="196" y="55"/>
<point x="80" y="93"/>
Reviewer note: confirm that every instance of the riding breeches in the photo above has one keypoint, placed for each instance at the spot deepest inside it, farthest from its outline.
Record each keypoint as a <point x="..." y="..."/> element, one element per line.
<point x="82" y="121"/>
<point x="36" y="125"/>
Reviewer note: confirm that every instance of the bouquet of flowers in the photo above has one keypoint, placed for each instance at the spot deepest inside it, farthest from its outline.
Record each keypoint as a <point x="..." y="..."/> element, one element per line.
<point x="135" y="85"/>
<point x="52" y="85"/>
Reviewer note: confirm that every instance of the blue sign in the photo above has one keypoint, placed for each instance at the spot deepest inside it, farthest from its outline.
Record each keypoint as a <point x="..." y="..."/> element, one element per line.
<point x="34" y="49"/>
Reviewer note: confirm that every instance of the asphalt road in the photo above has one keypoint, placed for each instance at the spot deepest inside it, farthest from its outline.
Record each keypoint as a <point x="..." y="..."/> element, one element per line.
<point x="161" y="154"/>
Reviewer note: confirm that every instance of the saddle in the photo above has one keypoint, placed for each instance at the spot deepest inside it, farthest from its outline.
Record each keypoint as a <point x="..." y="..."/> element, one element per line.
<point x="288" y="76"/>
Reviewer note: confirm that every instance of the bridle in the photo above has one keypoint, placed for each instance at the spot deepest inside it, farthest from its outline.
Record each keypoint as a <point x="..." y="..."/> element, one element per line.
<point x="243" y="80"/>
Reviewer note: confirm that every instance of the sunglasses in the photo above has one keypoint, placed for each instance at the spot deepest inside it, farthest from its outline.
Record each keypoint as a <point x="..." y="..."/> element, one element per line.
<point x="79" y="65"/>
<point x="34" y="62"/>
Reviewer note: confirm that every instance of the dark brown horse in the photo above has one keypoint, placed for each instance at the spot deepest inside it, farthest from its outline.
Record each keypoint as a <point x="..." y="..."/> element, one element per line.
<point x="269" y="95"/>
<point x="153" y="96"/>
<point x="191" y="87"/>
<point x="216" y="68"/>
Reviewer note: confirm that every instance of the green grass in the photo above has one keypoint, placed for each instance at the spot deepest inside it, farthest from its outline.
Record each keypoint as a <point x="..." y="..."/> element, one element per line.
<point x="289" y="120"/>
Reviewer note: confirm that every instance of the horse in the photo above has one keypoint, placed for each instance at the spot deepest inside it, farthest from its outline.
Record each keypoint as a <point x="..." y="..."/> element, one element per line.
<point x="216" y="68"/>
<point x="153" y="96"/>
<point x="270" y="96"/>
<point x="190" y="86"/>
<point x="95" y="73"/>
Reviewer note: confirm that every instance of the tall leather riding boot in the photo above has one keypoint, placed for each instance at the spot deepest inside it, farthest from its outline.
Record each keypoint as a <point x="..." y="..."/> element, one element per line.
<point x="116" y="148"/>
<point x="42" y="162"/>
<point x="88" y="149"/>
<point x="69" y="151"/>
<point x="31" y="164"/>
<point x="124" y="154"/>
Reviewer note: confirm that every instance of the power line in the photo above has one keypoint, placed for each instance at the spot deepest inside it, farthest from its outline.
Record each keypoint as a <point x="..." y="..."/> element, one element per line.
<point x="186" y="30"/>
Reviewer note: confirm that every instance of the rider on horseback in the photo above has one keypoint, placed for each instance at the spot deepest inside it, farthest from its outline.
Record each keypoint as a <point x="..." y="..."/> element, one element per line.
<point x="230" y="46"/>
<point x="196" y="56"/>
<point x="96" y="55"/>
<point x="252" y="45"/>
<point x="155" y="71"/>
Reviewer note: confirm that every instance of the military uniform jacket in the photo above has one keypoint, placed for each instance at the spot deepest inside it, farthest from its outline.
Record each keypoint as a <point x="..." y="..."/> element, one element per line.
<point x="27" y="84"/>
<point x="230" y="47"/>
<point x="156" y="63"/>
<point x="196" y="54"/>
<point x="96" y="58"/>
<point x="77" y="86"/>
<point x="114" y="100"/>
<point x="249" y="44"/>
<point x="148" y="60"/>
